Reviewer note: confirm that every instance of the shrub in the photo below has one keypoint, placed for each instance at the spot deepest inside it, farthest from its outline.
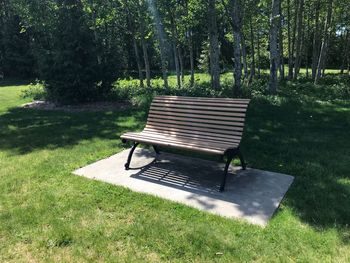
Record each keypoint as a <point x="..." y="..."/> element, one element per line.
<point x="35" y="91"/>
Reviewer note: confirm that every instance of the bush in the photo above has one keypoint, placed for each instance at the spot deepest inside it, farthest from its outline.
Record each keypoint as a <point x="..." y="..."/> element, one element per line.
<point x="35" y="91"/>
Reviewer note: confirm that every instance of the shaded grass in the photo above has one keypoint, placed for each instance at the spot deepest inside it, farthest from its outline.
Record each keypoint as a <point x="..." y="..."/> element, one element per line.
<point x="47" y="214"/>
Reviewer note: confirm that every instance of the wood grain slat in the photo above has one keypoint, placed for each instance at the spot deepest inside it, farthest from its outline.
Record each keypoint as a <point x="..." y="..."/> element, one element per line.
<point x="205" y="147"/>
<point x="172" y="139"/>
<point x="213" y="113"/>
<point x="193" y="115"/>
<point x="194" y="125"/>
<point x="178" y="146"/>
<point x="195" y="137"/>
<point x="179" y="128"/>
<point x="196" y="107"/>
<point x="218" y="122"/>
<point x="219" y="100"/>
<point x="205" y="103"/>
<point x="185" y="132"/>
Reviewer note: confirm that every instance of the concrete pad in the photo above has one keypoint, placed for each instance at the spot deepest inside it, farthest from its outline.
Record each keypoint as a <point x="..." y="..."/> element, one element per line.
<point x="252" y="195"/>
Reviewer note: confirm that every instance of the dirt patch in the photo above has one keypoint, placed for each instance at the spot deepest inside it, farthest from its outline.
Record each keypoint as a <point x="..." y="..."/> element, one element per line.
<point x="94" y="106"/>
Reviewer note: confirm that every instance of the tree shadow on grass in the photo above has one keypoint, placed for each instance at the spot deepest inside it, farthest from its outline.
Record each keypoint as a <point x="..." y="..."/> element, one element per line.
<point x="310" y="142"/>
<point x="14" y="82"/>
<point x="26" y="130"/>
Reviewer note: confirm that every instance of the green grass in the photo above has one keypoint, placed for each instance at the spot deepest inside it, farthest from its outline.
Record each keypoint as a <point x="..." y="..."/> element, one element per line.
<point x="47" y="214"/>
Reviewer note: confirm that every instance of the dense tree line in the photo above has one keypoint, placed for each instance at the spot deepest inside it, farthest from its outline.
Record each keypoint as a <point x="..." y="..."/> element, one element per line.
<point x="81" y="46"/>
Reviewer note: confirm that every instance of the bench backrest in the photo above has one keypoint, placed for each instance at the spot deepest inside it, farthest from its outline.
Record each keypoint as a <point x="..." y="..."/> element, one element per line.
<point x="215" y="119"/>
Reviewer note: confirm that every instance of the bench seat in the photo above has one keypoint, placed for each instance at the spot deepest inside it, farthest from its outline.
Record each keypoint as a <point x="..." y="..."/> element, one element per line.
<point x="189" y="142"/>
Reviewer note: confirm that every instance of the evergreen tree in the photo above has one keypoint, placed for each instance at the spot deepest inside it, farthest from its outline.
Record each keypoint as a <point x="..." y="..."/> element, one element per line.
<point x="71" y="71"/>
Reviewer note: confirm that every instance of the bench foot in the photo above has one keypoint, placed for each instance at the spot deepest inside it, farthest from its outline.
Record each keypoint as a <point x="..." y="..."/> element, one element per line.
<point x="156" y="149"/>
<point x="127" y="164"/>
<point x="223" y="182"/>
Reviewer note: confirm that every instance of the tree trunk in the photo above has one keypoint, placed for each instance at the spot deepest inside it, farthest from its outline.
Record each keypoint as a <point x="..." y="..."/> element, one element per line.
<point x="144" y="47"/>
<point x="258" y="47"/>
<point x="190" y="45"/>
<point x="244" y="56"/>
<point x="181" y="64"/>
<point x="252" y="65"/>
<point x="281" y="60"/>
<point x="214" y="46"/>
<point x="294" y="30"/>
<point x="191" y="60"/>
<point x="307" y="40"/>
<point x="316" y="40"/>
<point x="175" y="48"/>
<point x="236" y="12"/>
<point x="177" y="67"/>
<point x="298" y="48"/>
<point x="346" y="51"/>
<point x="327" y="28"/>
<point x="290" y="54"/>
<point x="138" y="62"/>
<point x="163" y="62"/>
<point x="237" y="63"/>
<point x="146" y="60"/>
<point x="274" y="54"/>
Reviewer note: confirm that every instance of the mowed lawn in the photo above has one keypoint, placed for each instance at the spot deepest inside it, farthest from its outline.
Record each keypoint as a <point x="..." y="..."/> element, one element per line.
<point x="48" y="214"/>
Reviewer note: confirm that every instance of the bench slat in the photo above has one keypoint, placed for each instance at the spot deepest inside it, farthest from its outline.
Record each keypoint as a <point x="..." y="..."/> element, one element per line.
<point x="187" y="144"/>
<point x="194" y="137"/>
<point x="197" y="107"/>
<point x="205" y="103"/>
<point x="213" y="113"/>
<point x="191" y="120"/>
<point x="219" y="100"/>
<point x="208" y="130"/>
<point x="193" y="115"/>
<point x="158" y="137"/>
<point x="195" y="125"/>
<point x="177" y="146"/>
<point x="189" y="133"/>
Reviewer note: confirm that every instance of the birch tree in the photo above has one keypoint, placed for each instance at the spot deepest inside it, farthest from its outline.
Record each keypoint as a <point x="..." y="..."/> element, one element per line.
<point x="214" y="45"/>
<point x="324" y="45"/>
<point x="274" y="53"/>
<point x="236" y="12"/>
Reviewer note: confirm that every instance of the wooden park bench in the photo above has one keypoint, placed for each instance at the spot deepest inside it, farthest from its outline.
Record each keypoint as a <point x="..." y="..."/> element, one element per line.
<point x="207" y="125"/>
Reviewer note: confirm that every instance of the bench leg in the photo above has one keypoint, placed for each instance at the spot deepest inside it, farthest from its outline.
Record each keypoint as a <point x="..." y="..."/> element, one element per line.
<point x="127" y="164"/>
<point x="243" y="163"/>
<point x="228" y="162"/>
<point x="156" y="149"/>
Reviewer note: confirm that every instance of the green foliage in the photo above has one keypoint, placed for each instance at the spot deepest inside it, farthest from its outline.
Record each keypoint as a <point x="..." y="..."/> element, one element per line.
<point x="203" y="61"/>
<point x="16" y="57"/>
<point x="72" y="71"/>
<point x="331" y="88"/>
<point x="35" y="91"/>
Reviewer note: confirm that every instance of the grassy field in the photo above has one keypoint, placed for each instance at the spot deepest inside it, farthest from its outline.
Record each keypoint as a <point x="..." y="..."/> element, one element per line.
<point x="47" y="214"/>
